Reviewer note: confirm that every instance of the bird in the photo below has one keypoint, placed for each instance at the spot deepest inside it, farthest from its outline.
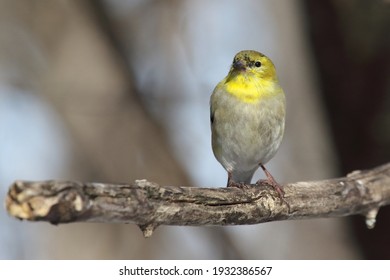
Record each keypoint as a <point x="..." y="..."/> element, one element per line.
<point x="247" y="116"/>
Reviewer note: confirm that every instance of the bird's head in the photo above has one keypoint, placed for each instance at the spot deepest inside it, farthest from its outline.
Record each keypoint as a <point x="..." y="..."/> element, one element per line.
<point x="253" y="63"/>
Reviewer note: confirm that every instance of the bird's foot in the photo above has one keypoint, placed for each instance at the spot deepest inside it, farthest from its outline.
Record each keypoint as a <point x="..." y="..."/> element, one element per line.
<point x="270" y="181"/>
<point x="278" y="188"/>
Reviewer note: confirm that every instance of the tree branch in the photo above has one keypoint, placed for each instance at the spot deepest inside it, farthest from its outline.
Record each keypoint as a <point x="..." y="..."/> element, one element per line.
<point x="149" y="205"/>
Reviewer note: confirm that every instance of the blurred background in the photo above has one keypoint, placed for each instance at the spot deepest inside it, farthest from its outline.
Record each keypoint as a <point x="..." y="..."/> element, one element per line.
<point x="118" y="90"/>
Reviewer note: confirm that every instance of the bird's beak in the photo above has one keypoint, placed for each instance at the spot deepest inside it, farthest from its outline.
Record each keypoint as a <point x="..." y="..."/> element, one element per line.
<point x="239" y="65"/>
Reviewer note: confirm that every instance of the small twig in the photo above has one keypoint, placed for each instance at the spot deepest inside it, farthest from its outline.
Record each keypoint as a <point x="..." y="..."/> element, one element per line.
<point x="149" y="205"/>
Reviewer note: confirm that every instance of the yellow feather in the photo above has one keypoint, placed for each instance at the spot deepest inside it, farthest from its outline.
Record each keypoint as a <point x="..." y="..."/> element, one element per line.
<point x="250" y="88"/>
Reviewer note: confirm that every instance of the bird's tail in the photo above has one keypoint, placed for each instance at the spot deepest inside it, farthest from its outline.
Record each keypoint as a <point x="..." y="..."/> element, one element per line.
<point x="242" y="176"/>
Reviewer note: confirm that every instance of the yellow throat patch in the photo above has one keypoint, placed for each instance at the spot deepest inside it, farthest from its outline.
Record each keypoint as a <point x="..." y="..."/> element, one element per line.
<point x="250" y="89"/>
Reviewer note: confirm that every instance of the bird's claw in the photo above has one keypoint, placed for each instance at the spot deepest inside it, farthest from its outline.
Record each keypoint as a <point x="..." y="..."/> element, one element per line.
<point x="278" y="188"/>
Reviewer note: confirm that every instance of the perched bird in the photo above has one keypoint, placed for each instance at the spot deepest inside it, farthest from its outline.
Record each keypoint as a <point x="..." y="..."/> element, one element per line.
<point x="247" y="112"/>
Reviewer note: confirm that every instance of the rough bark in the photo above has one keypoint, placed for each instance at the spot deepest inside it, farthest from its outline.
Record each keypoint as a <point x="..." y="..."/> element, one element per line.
<point x="149" y="205"/>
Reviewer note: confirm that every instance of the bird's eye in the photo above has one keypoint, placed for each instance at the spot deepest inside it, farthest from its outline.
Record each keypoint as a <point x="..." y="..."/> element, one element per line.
<point x="257" y="63"/>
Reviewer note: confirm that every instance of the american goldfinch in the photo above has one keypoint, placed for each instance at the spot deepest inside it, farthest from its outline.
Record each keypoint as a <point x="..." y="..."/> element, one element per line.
<point x="247" y="112"/>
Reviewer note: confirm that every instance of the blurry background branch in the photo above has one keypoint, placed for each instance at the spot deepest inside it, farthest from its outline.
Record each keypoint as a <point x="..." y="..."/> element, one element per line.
<point x="149" y="205"/>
